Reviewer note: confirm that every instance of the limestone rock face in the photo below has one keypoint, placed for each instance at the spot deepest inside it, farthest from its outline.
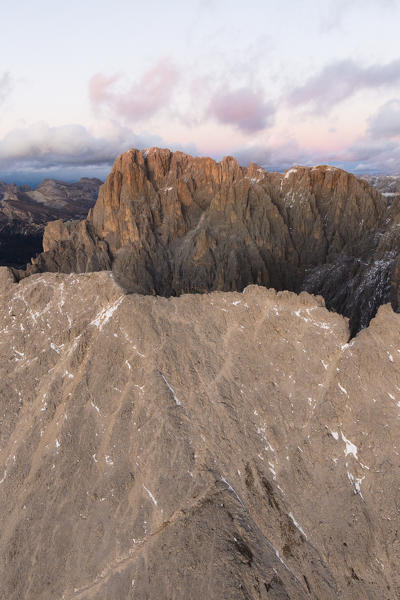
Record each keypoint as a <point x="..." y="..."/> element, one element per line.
<point x="77" y="249"/>
<point x="224" y="445"/>
<point x="173" y="223"/>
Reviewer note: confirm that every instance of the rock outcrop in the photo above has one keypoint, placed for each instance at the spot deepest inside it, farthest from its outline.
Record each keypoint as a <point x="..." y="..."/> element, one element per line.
<point x="224" y="445"/>
<point x="173" y="224"/>
<point x="24" y="214"/>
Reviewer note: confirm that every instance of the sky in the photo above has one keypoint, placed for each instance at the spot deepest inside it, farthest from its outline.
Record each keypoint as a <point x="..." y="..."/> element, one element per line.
<point x="274" y="82"/>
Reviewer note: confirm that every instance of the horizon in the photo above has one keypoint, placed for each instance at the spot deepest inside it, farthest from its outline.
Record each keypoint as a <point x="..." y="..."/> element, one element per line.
<point x="279" y="84"/>
<point x="33" y="180"/>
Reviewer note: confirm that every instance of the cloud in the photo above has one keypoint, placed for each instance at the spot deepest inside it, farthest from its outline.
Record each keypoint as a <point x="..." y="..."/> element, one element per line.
<point x="340" y="80"/>
<point x="276" y="157"/>
<point x="72" y="151"/>
<point x="373" y="156"/>
<point x="142" y="100"/>
<point x="40" y="146"/>
<point x="243" y="108"/>
<point x="206" y="5"/>
<point x="334" y="12"/>
<point x="378" y="151"/>
<point x="366" y="155"/>
<point x="386" y="121"/>
<point x="5" y="86"/>
<point x="99" y="88"/>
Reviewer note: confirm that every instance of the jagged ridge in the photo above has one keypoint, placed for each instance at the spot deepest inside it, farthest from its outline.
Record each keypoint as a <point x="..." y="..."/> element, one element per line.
<point x="170" y="223"/>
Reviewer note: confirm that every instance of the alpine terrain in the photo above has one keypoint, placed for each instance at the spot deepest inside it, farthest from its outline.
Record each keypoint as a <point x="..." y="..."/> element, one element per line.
<point x="24" y="214"/>
<point x="168" y="223"/>
<point x="200" y="390"/>
<point x="224" y="445"/>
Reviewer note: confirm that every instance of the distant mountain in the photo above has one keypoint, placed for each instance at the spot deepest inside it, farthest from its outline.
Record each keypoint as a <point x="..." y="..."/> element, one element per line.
<point x="169" y="223"/>
<point x="24" y="214"/>
<point x="387" y="185"/>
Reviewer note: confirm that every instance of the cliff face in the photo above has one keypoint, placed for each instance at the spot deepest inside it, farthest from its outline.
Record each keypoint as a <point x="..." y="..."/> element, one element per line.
<point x="24" y="214"/>
<point x="172" y="223"/>
<point x="225" y="445"/>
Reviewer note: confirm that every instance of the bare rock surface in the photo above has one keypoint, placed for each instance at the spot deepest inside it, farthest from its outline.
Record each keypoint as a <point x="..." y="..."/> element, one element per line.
<point x="219" y="446"/>
<point x="170" y="223"/>
<point x="24" y="213"/>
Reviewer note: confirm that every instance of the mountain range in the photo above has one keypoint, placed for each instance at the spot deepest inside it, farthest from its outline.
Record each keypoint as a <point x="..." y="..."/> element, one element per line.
<point x="24" y="214"/>
<point x="168" y="223"/>
<point x="200" y="385"/>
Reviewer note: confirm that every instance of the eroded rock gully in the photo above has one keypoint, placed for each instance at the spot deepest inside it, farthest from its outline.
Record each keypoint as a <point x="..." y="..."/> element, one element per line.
<point x="222" y="445"/>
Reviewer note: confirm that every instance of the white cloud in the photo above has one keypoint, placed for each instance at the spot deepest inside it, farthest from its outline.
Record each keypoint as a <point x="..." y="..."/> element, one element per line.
<point x="40" y="146"/>
<point x="5" y="86"/>
<point x="334" y="12"/>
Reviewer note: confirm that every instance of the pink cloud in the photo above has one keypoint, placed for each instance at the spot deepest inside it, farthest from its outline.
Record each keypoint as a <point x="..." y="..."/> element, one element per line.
<point x="143" y="99"/>
<point x="243" y="108"/>
<point x="99" y="88"/>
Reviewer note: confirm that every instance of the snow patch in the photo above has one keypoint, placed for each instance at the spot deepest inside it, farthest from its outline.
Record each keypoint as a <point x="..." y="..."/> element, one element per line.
<point x="297" y="525"/>
<point x="288" y="173"/>
<point x="350" y="447"/>
<point x="172" y="391"/>
<point x="106" y="313"/>
<point x="95" y="407"/>
<point x="150" y="495"/>
<point x="232" y="489"/>
<point x="356" y="483"/>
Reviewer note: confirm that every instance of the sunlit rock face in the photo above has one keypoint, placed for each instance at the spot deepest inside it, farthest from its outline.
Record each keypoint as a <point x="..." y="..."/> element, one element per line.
<point x="170" y="223"/>
<point x="222" y="445"/>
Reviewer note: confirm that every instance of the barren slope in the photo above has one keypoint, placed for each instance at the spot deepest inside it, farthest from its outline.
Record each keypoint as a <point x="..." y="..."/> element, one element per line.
<point x="219" y="446"/>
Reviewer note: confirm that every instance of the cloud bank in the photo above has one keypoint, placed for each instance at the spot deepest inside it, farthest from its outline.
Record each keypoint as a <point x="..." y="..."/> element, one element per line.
<point x="340" y="80"/>
<point x="40" y="146"/>
<point x="244" y="110"/>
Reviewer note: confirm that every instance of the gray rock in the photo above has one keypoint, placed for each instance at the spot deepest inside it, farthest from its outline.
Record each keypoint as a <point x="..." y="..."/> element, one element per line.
<point x="224" y="445"/>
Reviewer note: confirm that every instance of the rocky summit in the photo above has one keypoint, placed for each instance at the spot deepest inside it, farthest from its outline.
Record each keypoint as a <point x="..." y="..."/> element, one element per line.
<point x="168" y="223"/>
<point x="220" y="446"/>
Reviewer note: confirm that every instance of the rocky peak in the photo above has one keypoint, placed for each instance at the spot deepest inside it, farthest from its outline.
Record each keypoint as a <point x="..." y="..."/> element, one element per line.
<point x="173" y="223"/>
